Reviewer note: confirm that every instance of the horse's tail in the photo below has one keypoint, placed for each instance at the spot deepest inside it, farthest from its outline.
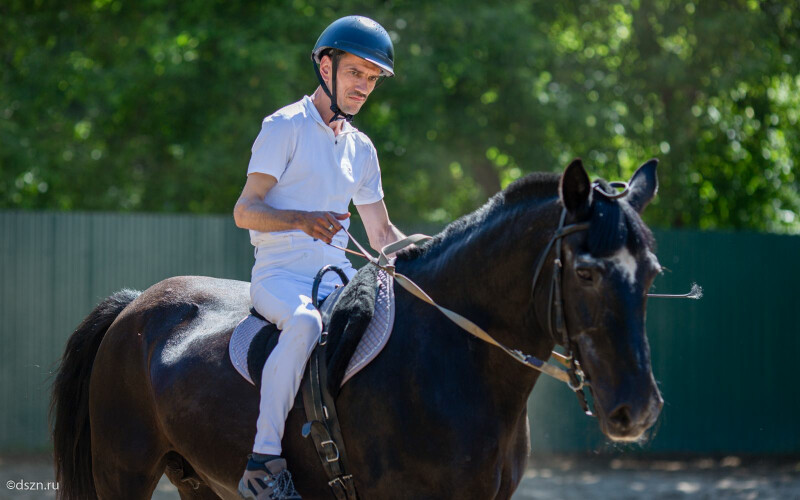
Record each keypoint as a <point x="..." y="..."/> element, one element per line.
<point x="69" y="404"/>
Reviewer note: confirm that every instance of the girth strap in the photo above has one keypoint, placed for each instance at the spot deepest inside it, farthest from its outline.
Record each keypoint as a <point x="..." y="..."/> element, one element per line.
<point x="320" y="407"/>
<point x="323" y="426"/>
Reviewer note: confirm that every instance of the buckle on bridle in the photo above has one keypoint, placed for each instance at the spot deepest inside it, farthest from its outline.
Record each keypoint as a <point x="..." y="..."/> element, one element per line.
<point x="335" y="449"/>
<point x="339" y="481"/>
<point x="579" y="377"/>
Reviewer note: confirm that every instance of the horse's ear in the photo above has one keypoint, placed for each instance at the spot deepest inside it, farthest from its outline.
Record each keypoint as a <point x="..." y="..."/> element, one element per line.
<point x="643" y="185"/>
<point x="575" y="188"/>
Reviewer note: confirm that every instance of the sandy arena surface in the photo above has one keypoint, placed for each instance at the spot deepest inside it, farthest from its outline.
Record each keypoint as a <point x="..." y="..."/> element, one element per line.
<point x="552" y="478"/>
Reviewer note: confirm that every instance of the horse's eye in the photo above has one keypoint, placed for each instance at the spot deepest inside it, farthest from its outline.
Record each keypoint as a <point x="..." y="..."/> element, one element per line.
<point x="584" y="274"/>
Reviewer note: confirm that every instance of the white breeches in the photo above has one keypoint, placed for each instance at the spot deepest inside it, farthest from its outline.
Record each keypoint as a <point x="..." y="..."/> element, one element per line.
<point x="284" y="298"/>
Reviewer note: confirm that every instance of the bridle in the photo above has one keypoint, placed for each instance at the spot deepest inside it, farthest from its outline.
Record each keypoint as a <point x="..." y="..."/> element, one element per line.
<point x="555" y="303"/>
<point x="570" y="371"/>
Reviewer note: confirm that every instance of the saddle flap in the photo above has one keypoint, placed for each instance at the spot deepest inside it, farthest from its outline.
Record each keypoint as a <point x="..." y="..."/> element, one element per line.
<point x="358" y="319"/>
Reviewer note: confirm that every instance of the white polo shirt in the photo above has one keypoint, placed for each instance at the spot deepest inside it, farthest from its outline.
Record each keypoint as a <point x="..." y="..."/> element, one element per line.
<point x="315" y="171"/>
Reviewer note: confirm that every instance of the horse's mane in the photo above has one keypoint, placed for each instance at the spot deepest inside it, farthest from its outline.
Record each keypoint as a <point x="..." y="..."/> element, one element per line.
<point x="613" y="223"/>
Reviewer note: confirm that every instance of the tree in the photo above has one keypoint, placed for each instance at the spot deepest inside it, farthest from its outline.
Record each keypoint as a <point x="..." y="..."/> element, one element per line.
<point x="153" y="106"/>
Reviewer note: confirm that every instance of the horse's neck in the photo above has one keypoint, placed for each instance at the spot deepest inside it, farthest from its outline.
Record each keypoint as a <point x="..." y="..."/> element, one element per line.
<point x="484" y="274"/>
<point x="485" y="271"/>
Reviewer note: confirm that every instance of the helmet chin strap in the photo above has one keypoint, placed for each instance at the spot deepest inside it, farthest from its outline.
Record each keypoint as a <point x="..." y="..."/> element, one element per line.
<point x="338" y="114"/>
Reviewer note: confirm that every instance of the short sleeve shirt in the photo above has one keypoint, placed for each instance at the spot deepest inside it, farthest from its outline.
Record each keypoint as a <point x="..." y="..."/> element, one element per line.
<point x="315" y="169"/>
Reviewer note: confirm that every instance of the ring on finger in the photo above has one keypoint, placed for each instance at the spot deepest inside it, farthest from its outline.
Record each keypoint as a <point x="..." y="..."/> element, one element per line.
<point x="330" y="228"/>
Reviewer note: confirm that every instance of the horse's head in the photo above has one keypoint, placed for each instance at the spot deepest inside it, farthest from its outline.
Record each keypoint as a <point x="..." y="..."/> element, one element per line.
<point x="607" y="271"/>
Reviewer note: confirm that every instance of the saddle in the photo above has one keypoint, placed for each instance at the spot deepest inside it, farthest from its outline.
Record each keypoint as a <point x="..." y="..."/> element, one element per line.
<point x="368" y="300"/>
<point x="357" y="320"/>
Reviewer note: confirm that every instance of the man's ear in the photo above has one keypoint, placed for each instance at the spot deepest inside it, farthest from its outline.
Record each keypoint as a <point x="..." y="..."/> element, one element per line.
<point x="575" y="189"/>
<point x="325" y="68"/>
<point x="643" y="185"/>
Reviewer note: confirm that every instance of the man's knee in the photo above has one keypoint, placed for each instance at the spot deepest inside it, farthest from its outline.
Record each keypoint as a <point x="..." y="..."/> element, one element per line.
<point x="305" y="326"/>
<point x="308" y="320"/>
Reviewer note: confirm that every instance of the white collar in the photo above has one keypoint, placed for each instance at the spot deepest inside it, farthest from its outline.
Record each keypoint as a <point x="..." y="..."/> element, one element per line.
<point x="312" y="110"/>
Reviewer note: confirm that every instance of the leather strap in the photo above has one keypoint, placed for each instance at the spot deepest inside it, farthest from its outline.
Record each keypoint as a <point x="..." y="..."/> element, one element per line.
<point x="527" y="360"/>
<point x="329" y="449"/>
<point x="387" y="265"/>
<point x="343" y="480"/>
<point x="383" y="260"/>
<point x="320" y="407"/>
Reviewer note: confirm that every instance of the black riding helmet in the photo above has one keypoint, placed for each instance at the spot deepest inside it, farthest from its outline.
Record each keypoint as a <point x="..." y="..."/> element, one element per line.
<point x="360" y="36"/>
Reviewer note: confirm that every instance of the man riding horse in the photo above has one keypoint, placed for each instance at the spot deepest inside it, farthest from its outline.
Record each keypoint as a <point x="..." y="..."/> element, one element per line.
<point x="553" y="259"/>
<point x="308" y="162"/>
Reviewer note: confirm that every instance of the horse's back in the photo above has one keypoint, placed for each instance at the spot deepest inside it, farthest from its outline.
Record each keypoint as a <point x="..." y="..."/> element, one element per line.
<point x="228" y="296"/>
<point x="167" y="314"/>
<point x="175" y="324"/>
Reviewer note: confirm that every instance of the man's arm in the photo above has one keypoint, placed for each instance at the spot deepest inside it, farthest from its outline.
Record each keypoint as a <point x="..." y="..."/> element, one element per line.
<point x="380" y="229"/>
<point x="251" y="212"/>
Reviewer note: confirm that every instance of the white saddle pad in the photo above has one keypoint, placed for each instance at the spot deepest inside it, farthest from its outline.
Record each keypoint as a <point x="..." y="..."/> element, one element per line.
<point x="371" y="344"/>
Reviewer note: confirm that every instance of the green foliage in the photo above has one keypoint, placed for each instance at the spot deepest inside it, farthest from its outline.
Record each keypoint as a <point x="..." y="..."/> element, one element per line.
<point x="153" y="106"/>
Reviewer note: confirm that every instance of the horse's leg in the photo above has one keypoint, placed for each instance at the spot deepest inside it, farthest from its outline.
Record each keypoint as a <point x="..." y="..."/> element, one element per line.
<point x="119" y="475"/>
<point x="516" y="459"/>
<point x="190" y="485"/>
<point x="128" y="447"/>
<point x="127" y="455"/>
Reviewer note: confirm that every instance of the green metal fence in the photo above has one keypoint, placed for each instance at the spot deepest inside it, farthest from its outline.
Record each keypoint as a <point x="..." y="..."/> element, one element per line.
<point x="724" y="363"/>
<point x="55" y="267"/>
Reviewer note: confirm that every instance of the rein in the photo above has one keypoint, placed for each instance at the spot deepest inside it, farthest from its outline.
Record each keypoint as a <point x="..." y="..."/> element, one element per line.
<point x="570" y="371"/>
<point x="565" y="373"/>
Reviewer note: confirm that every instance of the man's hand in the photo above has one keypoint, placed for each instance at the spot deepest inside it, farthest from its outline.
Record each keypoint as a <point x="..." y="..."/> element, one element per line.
<point x="322" y="225"/>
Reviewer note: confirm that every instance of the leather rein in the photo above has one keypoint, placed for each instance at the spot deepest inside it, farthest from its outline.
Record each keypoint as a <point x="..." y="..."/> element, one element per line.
<point x="569" y="372"/>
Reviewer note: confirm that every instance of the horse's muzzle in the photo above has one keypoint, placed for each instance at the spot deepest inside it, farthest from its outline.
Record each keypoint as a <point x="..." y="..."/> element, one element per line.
<point x="628" y="422"/>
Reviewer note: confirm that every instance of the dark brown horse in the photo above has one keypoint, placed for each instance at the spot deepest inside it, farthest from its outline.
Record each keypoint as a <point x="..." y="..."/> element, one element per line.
<point x="146" y="386"/>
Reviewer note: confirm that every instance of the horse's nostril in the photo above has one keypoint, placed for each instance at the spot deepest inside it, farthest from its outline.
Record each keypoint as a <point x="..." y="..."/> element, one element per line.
<point x="621" y="417"/>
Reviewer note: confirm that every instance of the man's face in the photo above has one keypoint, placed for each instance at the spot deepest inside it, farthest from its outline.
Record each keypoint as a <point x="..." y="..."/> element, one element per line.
<point x="355" y="81"/>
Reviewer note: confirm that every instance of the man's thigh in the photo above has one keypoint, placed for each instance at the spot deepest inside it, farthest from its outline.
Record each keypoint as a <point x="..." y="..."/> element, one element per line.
<point x="277" y="298"/>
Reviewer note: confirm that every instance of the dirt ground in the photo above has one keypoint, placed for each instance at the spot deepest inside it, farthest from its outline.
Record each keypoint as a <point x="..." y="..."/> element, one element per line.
<point x="551" y="478"/>
<point x="623" y="478"/>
